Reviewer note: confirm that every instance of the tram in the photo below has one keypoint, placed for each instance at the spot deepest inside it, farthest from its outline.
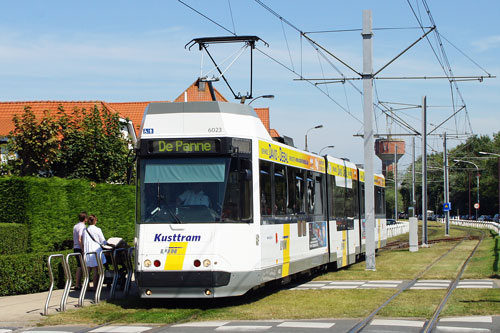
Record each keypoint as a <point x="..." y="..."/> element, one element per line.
<point x="222" y="208"/>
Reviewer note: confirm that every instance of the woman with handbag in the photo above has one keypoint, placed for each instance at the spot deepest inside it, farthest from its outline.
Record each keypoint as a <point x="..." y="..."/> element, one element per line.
<point x="93" y="238"/>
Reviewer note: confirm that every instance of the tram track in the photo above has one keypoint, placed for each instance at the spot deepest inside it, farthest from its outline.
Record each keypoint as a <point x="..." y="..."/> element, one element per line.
<point x="431" y="323"/>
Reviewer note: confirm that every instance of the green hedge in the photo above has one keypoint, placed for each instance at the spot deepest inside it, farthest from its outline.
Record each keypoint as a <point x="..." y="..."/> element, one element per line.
<point x="29" y="273"/>
<point x="50" y="207"/>
<point x="13" y="238"/>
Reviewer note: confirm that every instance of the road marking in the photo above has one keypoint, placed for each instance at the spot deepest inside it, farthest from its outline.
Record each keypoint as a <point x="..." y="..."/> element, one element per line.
<point x="435" y="281"/>
<point x="121" y="329"/>
<point x="476" y="282"/>
<point x="307" y="324"/>
<point x="431" y="284"/>
<point x="474" y="287"/>
<point x="405" y="323"/>
<point x="378" y="285"/>
<point x="243" y="328"/>
<point x="203" y="324"/>
<point x="386" y="281"/>
<point x="469" y="319"/>
<point x="34" y="331"/>
<point x="460" y="329"/>
<point x="5" y="331"/>
<point x="340" y="287"/>
<point x="347" y="282"/>
<point x="423" y="288"/>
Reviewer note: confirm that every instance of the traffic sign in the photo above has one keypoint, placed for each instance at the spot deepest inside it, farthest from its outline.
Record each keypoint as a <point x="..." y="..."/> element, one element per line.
<point x="476" y="205"/>
<point x="447" y="207"/>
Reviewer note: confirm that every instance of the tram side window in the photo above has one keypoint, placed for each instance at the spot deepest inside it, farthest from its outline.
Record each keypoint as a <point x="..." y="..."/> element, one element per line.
<point x="362" y="200"/>
<point x="280" y="189"/>
<point x="339" y="198"/>
<point x="314" y="193"/>
<point x="295" y="191"/>
<point x="351" y="205"/>
<point x="266" y="205"/>
<point x="379" y="202"/>
<point x="237" y="202"/>
<point x="331" y="199"/>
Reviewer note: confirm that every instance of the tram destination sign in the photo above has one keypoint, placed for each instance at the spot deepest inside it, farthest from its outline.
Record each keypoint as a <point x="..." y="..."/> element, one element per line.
<point x="183" y="146"/>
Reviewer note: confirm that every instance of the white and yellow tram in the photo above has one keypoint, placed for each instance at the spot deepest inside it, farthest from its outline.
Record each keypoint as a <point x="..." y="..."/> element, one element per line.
<point x="222" y="208"/>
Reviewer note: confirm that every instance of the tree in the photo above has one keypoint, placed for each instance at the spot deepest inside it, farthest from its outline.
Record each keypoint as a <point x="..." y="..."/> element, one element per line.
<point x="82" y="144"/>
<point x="92" y="146"/>
<point x="459" y="177"/>
<point x="36" y="143"/>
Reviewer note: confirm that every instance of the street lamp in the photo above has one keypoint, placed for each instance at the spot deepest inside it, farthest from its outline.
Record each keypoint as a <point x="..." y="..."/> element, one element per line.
<point x="497" y="155"/>
<point x="325" y="148"/>
<point x="263" y="96"/>
<point x="315" y="127"/>
<point x="477" y="169"/>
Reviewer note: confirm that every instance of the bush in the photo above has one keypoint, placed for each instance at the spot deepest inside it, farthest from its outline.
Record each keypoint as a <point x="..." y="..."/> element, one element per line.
<point x="29" y="273"/>
<point x="50" y="207"/>
<point x="13" y="238"/>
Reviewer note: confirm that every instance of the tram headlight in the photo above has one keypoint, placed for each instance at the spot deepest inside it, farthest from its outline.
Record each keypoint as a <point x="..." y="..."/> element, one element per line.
<point x="206" y="263"/>
<point x="147" y="263"/>
<point x="157" y="263"/>
<point x="197" y="263"/>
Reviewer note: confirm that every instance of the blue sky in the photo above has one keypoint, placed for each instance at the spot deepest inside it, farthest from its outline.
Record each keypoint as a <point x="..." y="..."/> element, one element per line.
<point x="134" y="51"/>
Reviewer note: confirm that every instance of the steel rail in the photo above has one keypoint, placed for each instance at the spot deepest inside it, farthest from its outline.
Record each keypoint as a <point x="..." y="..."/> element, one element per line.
<point x="432" y="322"/>
<point x="361" y="325"/>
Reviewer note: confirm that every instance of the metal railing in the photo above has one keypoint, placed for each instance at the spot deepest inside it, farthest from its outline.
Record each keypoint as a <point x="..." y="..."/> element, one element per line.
<point x="398" y="229"/>
<point x="494" y="226"/>
<point x="127" y="263"/>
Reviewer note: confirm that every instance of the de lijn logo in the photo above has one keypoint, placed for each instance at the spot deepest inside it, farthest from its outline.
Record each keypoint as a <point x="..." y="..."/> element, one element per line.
<point x="177" y="238"/>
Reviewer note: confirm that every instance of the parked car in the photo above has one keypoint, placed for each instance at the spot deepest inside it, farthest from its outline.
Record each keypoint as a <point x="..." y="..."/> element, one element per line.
<point x="391" y="221"/>
<point x="495" y="218"/>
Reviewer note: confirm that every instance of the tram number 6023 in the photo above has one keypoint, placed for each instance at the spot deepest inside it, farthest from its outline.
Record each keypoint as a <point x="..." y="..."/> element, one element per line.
<point x="214" y="129"/>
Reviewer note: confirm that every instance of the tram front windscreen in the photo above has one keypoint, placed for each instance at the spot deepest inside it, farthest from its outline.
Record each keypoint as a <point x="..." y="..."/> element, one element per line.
<point x="195" y="190"/>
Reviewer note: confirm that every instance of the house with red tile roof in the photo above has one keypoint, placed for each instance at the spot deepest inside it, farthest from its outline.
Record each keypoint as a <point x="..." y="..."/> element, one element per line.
<point x="133" y="111"/>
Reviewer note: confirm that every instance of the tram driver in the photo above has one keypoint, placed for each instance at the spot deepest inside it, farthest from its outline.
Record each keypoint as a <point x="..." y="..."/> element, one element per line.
<point x="194" y="195"/>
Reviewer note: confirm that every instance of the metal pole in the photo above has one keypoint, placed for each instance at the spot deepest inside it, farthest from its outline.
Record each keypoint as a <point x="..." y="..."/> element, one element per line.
<point x="368" y="138"/>
<point x="396" y="183"/>
<point x="499" y="188"/>
<point x="424" y="171"/>
<point x="446" y="187"/>
<point x="470" y="200"/>
<point x="306" y="143"/>
<point x="477" y="176"/>
<point x="413" y="201"/>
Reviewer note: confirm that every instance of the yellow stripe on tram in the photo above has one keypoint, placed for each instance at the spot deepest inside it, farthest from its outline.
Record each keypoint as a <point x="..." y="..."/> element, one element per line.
<point x="344" y="248"/>
<point x="175" y="256"/>
<point x="286" y="250"/>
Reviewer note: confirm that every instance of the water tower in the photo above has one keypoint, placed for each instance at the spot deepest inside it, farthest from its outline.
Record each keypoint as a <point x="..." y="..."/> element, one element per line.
<point x="386" y="150"/>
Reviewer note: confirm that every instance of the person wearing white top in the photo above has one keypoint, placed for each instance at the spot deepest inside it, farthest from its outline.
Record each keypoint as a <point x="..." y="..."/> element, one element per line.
<point x="93" y="238"/>
<point x="193" y="196"/>
<point x="78" y="230"/>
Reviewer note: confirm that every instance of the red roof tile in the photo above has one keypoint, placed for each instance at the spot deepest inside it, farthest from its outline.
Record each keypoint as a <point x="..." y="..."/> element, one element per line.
<point x="199" y="92"/>
<point x="131" y="110"/>
<point x="9" y="109"/>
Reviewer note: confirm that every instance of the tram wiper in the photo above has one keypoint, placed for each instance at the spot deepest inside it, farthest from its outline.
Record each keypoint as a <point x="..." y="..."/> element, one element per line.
<point x="176" y="218"/>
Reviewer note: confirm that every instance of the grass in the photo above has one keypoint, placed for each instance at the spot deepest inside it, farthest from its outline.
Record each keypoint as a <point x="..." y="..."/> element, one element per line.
<point x="473" y="302"/>
<point x="312" y="304"/>
<point x="392" y="265"/>
<point x="450" y="265"/>
<point x="414" y="304"/>
<point x="485" y="263"/>
<point x="284" y="304"/>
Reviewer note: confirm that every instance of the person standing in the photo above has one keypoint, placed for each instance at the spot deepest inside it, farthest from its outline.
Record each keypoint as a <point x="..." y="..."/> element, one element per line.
<point x="93" y="238"/>
<point x="78" y="246"/>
